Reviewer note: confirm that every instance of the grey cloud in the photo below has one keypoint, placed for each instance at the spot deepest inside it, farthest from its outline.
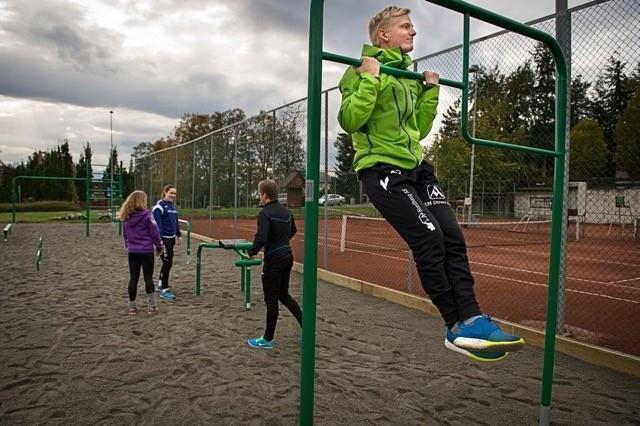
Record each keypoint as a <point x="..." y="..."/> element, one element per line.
<point x="56" y="29"/>
<point x="169" y="95"/>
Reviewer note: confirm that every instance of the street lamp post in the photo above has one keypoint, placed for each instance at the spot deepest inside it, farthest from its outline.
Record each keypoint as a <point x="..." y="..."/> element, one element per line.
<point x="111" y="163"/>
<point x="473" y="69"/>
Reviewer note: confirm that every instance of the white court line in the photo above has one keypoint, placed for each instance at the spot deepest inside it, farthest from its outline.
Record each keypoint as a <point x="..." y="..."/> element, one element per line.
<point x="569" y="290"/>
<point x="574" y="257"/>
<point x="624" y="281"/>
<point x="611" y="284"/>
<point x="301" y="237"/>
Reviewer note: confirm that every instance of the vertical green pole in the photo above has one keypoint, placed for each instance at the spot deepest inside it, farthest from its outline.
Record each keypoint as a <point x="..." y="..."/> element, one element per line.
<point x="198" y="262"/>
<point x="556" y="234"/>
<point x="120" y="195"/>
<point x="310" y="275"/>
<point x="13" y="200"/>
<point x="242" y="278"/>
<point x="87" y="196"/>
<point x="247" y="289"/>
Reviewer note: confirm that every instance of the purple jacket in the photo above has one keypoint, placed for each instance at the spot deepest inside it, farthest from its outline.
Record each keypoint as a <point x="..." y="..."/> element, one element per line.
<point x="141" y="232"/>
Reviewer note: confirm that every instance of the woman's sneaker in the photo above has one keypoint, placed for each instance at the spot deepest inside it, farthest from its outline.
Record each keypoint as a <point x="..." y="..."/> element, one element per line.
<point x="132" y="310"/>
<point x="153" y="310"/>
<point x="167" y="294"/>
<point x="260" y="342"/>
<point x="483" y="335"/>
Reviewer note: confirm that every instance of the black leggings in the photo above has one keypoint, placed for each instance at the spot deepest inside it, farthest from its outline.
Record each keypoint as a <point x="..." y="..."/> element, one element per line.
<point x="413" y="203"/>
<point x="137" y="260"/>
<point x="275" y="285"/>
<point x="167" y="260"/>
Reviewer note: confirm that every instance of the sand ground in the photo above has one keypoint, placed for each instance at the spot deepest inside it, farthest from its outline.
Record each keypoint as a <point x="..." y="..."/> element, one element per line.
<point x="71" y="355"/>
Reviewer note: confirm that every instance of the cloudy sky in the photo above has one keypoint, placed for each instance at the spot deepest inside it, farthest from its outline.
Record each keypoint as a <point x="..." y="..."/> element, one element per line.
<point x="65" y="64"/>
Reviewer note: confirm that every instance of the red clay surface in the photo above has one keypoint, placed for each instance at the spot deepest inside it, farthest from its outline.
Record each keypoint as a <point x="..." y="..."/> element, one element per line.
<point x="602" y="296"/>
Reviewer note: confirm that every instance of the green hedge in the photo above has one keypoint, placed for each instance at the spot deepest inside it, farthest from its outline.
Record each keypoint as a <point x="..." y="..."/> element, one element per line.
<point x="41" y="206"/>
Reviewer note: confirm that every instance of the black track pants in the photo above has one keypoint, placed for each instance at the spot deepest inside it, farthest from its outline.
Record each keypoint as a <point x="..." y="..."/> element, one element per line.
<point x="413" y="203"/>
<point x="275" y="285"/>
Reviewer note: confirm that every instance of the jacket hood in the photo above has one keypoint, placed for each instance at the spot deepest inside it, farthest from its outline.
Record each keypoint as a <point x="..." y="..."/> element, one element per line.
<point x="138" y="217"/>
<point x="392" y="57"/>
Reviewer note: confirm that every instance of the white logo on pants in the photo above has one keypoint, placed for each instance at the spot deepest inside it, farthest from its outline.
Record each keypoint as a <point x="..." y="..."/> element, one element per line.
<point x="384" y="183"/>
<point x="422" y="216"/>
<point x="435" y="193"/>
<point x="425" y="221"/>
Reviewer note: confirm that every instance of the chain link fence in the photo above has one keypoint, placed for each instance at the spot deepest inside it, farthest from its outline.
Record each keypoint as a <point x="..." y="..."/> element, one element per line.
<point x="502" y="198"/>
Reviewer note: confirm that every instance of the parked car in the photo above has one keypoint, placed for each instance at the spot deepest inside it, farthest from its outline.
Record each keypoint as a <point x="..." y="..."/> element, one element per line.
<point x="332" y="200"/>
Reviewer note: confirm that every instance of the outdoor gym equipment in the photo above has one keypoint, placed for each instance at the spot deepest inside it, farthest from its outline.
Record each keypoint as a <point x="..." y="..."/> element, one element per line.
<point x="188" y="225"/>
<point x="7" y="231"/>
<point x="39" y="253"/>
<point x="244" y="263"/>
<point x="115" y="193"/>
<point x="316" y="55"/>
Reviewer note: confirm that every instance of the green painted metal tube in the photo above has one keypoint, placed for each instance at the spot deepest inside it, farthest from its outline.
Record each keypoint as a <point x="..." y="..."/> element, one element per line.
<point x="242" y="280"/>
<point x="558" y="153"/>
<point x="244" y="263"/>
<point x="465" y="107"/>
<point x="388" y="70"/>
<point x="14" y="193"/>
<point x="310" y="274"/>
<point x="188" y="224"/>
<point x="247" y="287"/>
<point x="39" y="253"/>
<point x="248" y="262"/>
<point x="87" y="195"/>
<point x="313" y="143"/>
<point x="199" y="262"/>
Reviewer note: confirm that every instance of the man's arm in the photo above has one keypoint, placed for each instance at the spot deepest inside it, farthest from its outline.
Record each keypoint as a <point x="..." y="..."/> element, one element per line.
<point x="262" y="234"/>
<point x="359" y="94"/>
<point x="427" y="104"/>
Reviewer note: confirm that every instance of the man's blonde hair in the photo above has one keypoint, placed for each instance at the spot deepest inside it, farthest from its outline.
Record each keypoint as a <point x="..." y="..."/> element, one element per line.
<point x="381" y="20"/>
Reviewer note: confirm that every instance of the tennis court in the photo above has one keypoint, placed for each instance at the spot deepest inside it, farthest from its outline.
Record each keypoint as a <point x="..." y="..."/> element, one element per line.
<point x="510" y="267"/>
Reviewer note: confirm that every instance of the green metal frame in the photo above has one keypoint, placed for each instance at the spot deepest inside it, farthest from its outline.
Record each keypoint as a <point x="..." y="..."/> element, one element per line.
<point x="14" y="195"/>
<point x="88" y="180"/>
<point x="188" y="225"/>
<point x="7" y="231"/>
<point x="39" y="253"/>
<point x="316" y="55"/>
<point x="244" y="263"/>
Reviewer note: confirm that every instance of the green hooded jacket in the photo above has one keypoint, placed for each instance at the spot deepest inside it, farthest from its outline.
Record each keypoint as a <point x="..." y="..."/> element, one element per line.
<point x="386" y="116"/>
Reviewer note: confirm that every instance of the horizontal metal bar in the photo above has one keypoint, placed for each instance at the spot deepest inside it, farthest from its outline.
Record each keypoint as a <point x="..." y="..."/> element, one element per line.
<point x="388" y="70"/>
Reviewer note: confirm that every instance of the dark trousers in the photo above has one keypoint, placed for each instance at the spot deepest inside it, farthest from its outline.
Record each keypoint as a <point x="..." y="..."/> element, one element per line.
<point x="167" y="260"/>
<point x="413" y="203"/>
<point x="275" y="285"/>
<point x="137" y="261"/>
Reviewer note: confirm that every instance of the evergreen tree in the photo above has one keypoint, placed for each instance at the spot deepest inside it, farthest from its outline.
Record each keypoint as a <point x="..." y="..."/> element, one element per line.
<point x="81" y="171"/>
<point x="612" y="93"/>
<point x="346" y="179"/>
<point x="628" y="137"/>
<point x="580" y="103"/>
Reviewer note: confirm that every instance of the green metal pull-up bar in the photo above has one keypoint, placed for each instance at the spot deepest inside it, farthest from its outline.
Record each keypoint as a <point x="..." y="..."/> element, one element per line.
<point x="316" y="55"/>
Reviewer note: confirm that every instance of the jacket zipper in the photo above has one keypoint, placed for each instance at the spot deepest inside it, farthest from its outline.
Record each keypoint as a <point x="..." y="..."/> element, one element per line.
<point x="401" y="117"/>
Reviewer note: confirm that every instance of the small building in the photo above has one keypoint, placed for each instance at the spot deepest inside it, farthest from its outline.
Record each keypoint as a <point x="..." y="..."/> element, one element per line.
<point x="294" y="186"/>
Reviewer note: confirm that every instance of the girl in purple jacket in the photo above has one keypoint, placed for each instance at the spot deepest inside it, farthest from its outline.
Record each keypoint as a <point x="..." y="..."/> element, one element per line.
<point x="141" y="234"/>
